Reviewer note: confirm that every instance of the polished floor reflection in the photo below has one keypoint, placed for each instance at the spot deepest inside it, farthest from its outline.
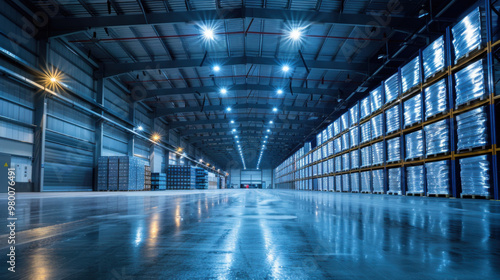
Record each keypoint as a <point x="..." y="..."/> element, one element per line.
<point x="253" y="234"/>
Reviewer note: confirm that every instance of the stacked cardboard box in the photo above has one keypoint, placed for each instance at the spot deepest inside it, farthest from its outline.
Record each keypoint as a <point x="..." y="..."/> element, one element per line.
<point x="180" y="177"/>
<point x="120" y="173"/>
<point x="159" y="181"/>
<point x="201" y="178"/>
<point x="147" y="178"/>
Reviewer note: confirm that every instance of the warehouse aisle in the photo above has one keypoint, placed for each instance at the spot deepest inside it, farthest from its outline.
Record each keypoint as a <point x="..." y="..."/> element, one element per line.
<point x="254" y="234"/>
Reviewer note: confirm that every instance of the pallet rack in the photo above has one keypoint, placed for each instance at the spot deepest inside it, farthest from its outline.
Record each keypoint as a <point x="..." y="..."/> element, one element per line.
<point x="295" y="172"/>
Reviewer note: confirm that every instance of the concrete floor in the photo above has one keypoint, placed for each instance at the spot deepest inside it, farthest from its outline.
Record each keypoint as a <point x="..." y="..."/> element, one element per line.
<point x="253" y="234"/>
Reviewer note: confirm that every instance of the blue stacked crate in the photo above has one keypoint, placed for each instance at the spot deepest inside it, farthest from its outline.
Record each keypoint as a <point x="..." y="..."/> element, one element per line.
<point x="337" y="127"/>
<point x="415" y="179"/>
<point x="354" y="136"/>
<point x="366" y="182"/>
<point x="393" y="150"/>
<point x="346" y="183"/>
<point x="410" y="75"/>
<point x="338" y="164"/>
<point x="338" y="183"/>
<point x="475" y="176"/>
<point x="378" y="153"/>
<point x="413" y="110"/>
<point x="470" y="84"/>
<point x="142" y="181"/>
<point x="345" y="141"/>
<point x="345" y="162"/>
<point x="414" y="143"/>
<point x="330" y="148"/>
<point x="366" y="132"/>
<point x="376" y="99"/>
<point x="159" y="181"/>
<point x="325" y="168"/>
<point x="147" y="177"/>
<point x="438" y="177"/>
<point x="344" y="119"/>
<point x="330" y="131"/>
<point x="127" y="180"/>
<point x="113" y="173"/>
<point x="325" y="184"/>
<point x="354" y="114"/>
<point x="391" y="87"/>
<point x="472" y="129"/>
<point x="433" y="58"/>
<point x="436" y="99"/>
<point x="378" y="180"/>
<point x="319" y="139"/>
<point x="201" y="178"/>
<point x="392" y="119"/>
<point x="102" y="174"/>
<point x="331" y="166"/>
<point x="320" y="184"/>
<point x="377" y="126"/>
<point x="365" y="108"/>
<point x="366" y="156"/>
<point x="394" y="181"/>
<point x="468" y="35"/>
<point x="437" y="138"/>
<point x="354" y="155"/>
<point x="180" y="177"/>
<point x="337" y="145"/>
<point x="331" y="183"/>
<point x="355" y="182"/>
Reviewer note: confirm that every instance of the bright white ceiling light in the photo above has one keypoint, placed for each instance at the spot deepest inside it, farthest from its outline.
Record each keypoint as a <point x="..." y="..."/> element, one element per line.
<point x="234" y="129"/>
<point x="295" y="34"/>
<point x="285" y="68"/>
<point x="216" y="68"/>
<point x="140" y="128"/>
<point x="208" y="33"/>
<point x="275" y="109"/>
<point x="223" y="90"/>
<point x="232" y="121"/>
<point x="271" y="122"/>
<point x="228" y="109"/>
<point x="279" y="91"/>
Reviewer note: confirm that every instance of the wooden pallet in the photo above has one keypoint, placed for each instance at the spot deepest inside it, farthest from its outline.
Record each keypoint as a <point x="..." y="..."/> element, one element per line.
<point x="393" y="193"/>
<point x="394" y="161"/>
<point x="480" y="148"/>
<point x="431" y="77"/>
<point x="438" y="195"/>
<point x="412" y="125"/>
<point x="414" y="159"/>
<point x="471" y="102"/>
<point x="437" y="115"/>
<point x="438" y="155"/>
<point x="378" y="192"/>
<point x="469" y="54"/>
<point x="473" y="196"/>
<point x="378" y="164"/>
<point x="415" y="194"/>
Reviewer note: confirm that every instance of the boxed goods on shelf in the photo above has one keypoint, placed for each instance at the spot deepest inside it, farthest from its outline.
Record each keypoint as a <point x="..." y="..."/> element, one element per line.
<point x="376" y="99"/>
<point x="366" y="156"/>
<point x="470" y="83"/>
<point x="307" y="147"/>
<point x="346" y="183"/>
<point x="331" y="183"/>
<point x="475" y="175"/>
<point x="345" y="162"/>
<point x="330" y="148"/>
<point x="338" y="183"/>
<point x="433" y="58"/>
<point x="345" y="141"/>
<point x="354" y="159"/>
<point x="378" y="180"/>
<point x="113" y="173"/>
<point x="344" y="120"/>
<point x="329" y="130"/>
<point x="337" y="127"/>
<point x="468" y="34"/>
<point x="325" y="167"/>
<point x="391" y="87"/>
<point x="365" y="108"/>
<point x="159" y="181"/>
<point x="394" y="149"/>
<point x="324" y="135"/>
<point x="320" y="184"/>
<point x="315" y="170"/>
<point x="324" y="151"/>
<point x="102" y="174"/>
<point x="338" y="164"/>
<point x="366" y="181"/>
<point x="337" y="145"/>
<point x="413" y="110"/>
<point x="354" y="114"/>
<point x="355" y="182"/>
<point x="437" y="138"/>
<point x="377" y="126"/>
<point x="331" y="166"/>
<point x="378" y="153"/>
<point x="414" y="145"/>
<point x="325" y="184"/>
<point x="319" y="139"/>
<point x="438" y="177"/>
<point x="436" y="99"/>
<point x="415" y="179"/>
<point x="366" y="132"/>
<point x="201" y="178"/>
<point x="472" y="129"/>
<point x="394" y="180"/>
<point x="410" y="75"/>
<point x="180" y="177"/>
<point x="354" y="136"/>
<point x="392" y="119"/>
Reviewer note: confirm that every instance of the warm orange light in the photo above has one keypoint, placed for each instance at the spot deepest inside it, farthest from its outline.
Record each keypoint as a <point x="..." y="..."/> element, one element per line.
<point x="53" y="79"/>
<point x="156" y="137"/>
<point x="179" y="149"/>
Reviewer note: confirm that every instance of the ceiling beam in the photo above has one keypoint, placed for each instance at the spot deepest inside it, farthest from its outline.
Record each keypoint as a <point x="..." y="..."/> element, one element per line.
<point x="305" y="123"/>
<point x="240" y="129"/>
<point x="113" y="69"/>
<point x="64" y="26"/>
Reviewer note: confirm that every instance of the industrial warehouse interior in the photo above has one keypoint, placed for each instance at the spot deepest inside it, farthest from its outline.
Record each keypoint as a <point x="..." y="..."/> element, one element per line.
<point x="249" y="139"/>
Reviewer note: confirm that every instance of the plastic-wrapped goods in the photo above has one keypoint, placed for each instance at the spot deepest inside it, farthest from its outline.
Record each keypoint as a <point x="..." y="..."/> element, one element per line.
<point x="325" y="135"/>
<point x="325" y="167"/>
<point x="344" y="119"/>
<point x="338" y="164"/>
<point x="354" y="114"/>
<point x="366" y="181"/>
<point x="413" y="110"/>
<point x="320" y="168"/>
<point x="330" y="148"/>
<point x="377" y="126"/>
<point x="338" y="183"/>
<point x="378" y="153"/>
<point x="392" y="117"/>
<point x="433" y="57"/>
<point x="414" y="144"/>
<point x="470" y="83"/>
<point x="354" y="136"/>
<point x="410" y="74"/>
<point x="337" y="127"/>
<point x="319" y="139"/>
<point x="467" y="34"/>
<point x="475" y="175"/>
<point x="437" y="138"/>
<point x="337" y="145"/>
<point x="366" y="156"/>
<point x="345" y="162"/>
<point x="436" y="99"/>
<point x="378" y="180"/>
<point x="324" y="151"/>
<point x="365" y="108"/>
<point x="307" y="147"/>
<point x="415" y="179"/>
<point x="331" y="166"/>
<point x="355" y="183"/>
<point x="354" y="159"/>
<point x="391" y="87"/>
<point x="320" y="184"/>
<point x="472" y="129"/>
<point x="346" y="183"/>
<point x="366" y="132"/>
<point x="394" y="180"/>
<point x="438" y="177"/>
<point x="394" y="149"/>
<point x="345" y="141"/>
<point x="331" y="183"/>
<point x="330" y="131"/>
<point x="376" y="99"/>
<point x="315" y="170"/>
